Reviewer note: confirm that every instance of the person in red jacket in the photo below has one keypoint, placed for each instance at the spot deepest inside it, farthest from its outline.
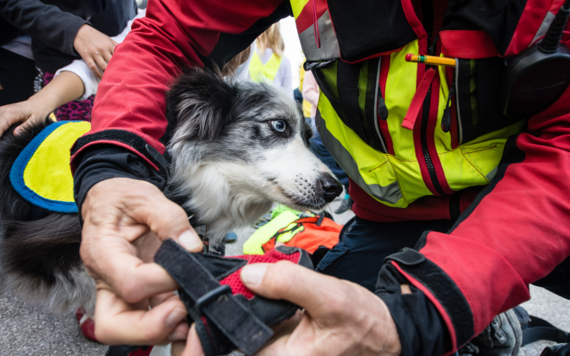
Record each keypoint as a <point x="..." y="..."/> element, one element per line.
<point x="482" y="245"/>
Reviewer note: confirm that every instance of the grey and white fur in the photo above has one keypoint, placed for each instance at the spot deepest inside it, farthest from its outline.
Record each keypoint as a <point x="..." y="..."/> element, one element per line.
<point x="236" y="148"/>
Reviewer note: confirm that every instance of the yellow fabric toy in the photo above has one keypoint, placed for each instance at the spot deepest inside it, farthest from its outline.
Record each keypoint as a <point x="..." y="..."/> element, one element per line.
<point x="41" y="173"/>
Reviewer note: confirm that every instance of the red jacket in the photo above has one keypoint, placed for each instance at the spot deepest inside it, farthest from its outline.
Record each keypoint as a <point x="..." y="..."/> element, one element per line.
<point x="494" y="235"/>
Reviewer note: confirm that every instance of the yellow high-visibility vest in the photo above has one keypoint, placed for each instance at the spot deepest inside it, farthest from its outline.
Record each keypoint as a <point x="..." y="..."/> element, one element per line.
<point x="264" y="73"/>
<point x="422" y="161"/>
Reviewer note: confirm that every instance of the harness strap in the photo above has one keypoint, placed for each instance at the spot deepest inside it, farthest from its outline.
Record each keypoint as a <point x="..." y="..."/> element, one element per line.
<point x="540" y="329"/>
<point x="207" y="300"/>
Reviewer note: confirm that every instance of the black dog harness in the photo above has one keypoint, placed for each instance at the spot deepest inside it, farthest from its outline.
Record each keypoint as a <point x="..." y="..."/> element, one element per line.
<point x="227" y="315"/>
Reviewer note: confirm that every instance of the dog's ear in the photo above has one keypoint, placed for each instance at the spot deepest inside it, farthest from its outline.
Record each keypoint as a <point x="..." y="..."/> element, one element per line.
<point x="201" y="103"/>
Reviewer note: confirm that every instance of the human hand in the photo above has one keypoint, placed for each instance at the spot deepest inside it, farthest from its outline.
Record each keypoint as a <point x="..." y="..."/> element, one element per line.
<point x="125" y="221"/>
<point x="339" y="317"/>
<point x="95" y="48"/>
<point x="27" y="112"/>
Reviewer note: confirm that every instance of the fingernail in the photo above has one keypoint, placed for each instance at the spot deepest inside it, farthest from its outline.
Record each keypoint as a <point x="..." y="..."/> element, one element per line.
<point x="190" y="241"/>
<point x="17" y="131"/>
<point x="175" y="317"/>
<point x="253" y="274"/>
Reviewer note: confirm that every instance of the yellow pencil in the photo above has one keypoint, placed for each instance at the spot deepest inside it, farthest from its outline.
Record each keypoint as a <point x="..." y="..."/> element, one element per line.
<point x="431" y="60"/>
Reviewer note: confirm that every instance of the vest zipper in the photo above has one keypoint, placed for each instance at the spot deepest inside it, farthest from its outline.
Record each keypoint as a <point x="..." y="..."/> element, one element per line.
<point x="424" y="126"/>
<point x="381" y="110"/>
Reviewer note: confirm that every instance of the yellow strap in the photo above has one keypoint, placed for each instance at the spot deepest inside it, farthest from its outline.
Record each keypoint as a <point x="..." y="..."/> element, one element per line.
<point x="264" y="73"/>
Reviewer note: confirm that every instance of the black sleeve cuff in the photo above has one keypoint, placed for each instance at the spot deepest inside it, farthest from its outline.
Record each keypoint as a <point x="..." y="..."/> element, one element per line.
<point x="101" y="162"/>
<point x="421" y="329"/>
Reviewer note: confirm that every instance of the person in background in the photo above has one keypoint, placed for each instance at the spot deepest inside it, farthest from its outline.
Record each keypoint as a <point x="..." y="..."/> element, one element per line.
<point x="75" y="82"/>
<point x="311" y="95"/>
<point x="53" y="33"/>
<point x="268" y="64"/>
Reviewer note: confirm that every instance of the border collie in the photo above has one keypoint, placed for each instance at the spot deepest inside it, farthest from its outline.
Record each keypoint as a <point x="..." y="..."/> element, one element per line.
<point x="236" y="148"/>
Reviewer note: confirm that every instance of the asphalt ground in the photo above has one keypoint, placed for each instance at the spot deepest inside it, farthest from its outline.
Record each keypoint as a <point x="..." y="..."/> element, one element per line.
<point x="26" y="330"/>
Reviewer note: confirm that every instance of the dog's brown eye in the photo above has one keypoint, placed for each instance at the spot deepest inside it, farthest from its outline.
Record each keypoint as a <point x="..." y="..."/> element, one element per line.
<point x="279" y="125"/>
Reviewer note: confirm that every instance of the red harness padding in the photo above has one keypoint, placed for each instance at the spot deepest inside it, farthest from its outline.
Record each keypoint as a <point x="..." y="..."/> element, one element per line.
<point x="227" y="315"/>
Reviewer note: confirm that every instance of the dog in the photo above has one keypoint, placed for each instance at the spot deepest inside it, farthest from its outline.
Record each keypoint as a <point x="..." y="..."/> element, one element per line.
<point x="235" y="148"/>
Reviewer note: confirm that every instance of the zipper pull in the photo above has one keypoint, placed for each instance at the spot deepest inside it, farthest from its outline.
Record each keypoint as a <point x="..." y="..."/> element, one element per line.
<point x="446" y="119"/>
<point x="382" y="109"/>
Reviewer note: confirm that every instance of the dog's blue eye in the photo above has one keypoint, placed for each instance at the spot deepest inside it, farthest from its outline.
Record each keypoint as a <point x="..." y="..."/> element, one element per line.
<point x="279" y="125"/>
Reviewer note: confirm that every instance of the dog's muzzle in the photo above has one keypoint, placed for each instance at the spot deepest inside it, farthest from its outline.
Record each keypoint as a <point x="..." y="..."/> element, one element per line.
<point x="328" y="187"/>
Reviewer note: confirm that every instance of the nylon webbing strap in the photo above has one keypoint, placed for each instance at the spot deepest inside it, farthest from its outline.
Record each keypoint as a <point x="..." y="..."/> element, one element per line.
<point x="466" y="112"/>
<point x="210" y="299"/>
<point x="348" y="76"/>
<point x="540" y="329"/>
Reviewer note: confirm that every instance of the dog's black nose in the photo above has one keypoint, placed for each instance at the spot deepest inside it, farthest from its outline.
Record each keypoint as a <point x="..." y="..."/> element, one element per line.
<point x="331" y="187"/>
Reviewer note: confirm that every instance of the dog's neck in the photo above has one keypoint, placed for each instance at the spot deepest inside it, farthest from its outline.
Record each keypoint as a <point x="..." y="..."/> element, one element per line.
<point x="215" y="206"/>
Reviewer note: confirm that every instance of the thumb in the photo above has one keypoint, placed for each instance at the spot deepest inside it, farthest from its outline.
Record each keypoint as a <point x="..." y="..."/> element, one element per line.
<point x="297" y="284"/>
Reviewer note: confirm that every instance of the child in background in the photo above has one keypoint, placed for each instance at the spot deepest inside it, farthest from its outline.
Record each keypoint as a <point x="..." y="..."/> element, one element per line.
<point x="268" y="64"/>
<point x="54" y="32"/>
<point x="75" y="81"/>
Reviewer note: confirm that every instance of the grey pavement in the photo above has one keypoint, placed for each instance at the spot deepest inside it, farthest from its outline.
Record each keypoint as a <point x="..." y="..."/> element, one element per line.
<point x="26" y="330"/>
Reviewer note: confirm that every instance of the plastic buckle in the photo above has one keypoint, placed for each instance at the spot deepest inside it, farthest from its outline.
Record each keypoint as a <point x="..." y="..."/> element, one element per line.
<point x="210" y="296"/>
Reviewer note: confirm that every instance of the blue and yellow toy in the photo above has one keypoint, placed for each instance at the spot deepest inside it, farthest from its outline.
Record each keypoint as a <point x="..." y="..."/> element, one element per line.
<point x="41" y="174"/>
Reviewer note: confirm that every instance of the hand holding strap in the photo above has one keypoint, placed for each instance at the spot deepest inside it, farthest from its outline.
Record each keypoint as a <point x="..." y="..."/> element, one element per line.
<point x="212" y="306"/>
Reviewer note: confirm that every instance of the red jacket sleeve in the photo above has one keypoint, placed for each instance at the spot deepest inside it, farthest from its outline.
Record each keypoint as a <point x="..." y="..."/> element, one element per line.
<point x="130" y="106"/>
<point x="515" y="233"/>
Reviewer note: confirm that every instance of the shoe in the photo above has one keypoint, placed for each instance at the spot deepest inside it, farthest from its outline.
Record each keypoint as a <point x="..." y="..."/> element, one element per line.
<point x="344" y="206"/>
<point x="86" y="324"/>
<point x="503" y="337"/>
<point x="231" y="237"/>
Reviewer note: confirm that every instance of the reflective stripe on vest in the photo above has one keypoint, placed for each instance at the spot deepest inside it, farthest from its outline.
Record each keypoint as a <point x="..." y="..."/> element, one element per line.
<point x="264" y="73"/>
<point x="317" y="45"/>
